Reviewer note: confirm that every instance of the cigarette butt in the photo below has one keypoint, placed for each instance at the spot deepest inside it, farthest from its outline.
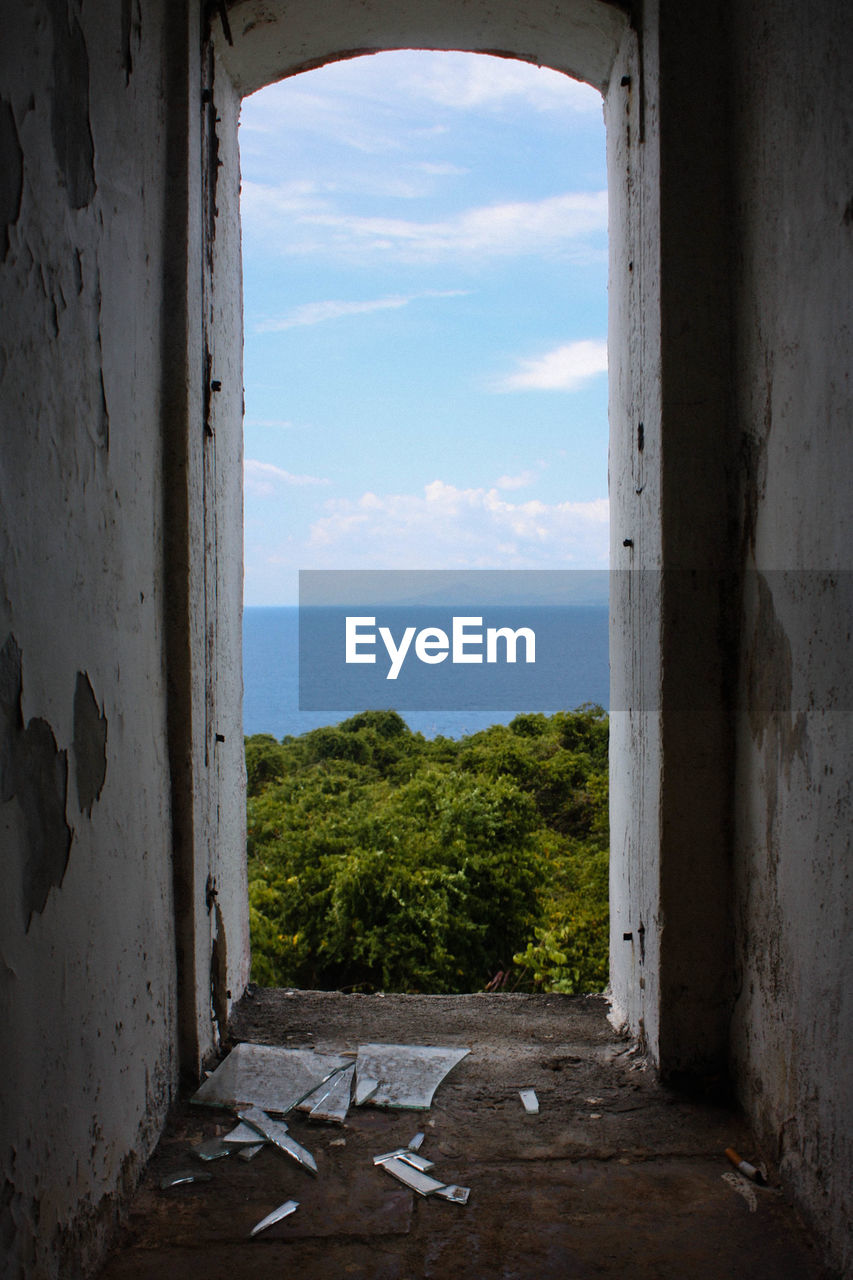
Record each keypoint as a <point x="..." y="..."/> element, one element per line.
<point x="743" y="1166"/>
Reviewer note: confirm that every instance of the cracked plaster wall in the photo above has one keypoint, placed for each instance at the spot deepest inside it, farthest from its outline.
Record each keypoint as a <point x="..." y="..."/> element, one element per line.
<point x="87" y="964"/>
<point x="124" y="914"/>
<point x="634" y="470"/>
<point x="732" y="701"/>
<point x="670" y="714"/>
<point x="793" y="267"/>
<point x="216" y="927"/>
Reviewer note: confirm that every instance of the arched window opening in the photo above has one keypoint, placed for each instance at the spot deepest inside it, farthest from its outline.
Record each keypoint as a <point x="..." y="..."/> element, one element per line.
<point x="425" y="264"/>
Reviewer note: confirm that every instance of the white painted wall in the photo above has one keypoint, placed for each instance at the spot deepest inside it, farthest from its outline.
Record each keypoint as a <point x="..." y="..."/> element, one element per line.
<point x="634" y="360"/>
<point x="219" y="792"/>
<point x="87" y="981"/>
<point x="123" y="913"/>
<point x="271" y="41"/>
<point x="730" y="814"/>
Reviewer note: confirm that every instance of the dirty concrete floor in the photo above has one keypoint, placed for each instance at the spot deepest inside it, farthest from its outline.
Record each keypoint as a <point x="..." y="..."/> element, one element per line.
<point x="615" y="1177"/>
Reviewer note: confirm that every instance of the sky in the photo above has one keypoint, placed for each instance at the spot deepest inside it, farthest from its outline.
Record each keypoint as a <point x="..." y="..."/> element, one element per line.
<point x="425" y="275"/>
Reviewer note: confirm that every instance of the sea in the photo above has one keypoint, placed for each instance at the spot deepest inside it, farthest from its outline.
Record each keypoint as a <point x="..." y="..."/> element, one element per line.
<point x="271" y="679"/>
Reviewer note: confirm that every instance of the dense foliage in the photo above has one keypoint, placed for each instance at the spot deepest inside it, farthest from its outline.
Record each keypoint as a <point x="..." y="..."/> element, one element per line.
<point x="379" y="859"/>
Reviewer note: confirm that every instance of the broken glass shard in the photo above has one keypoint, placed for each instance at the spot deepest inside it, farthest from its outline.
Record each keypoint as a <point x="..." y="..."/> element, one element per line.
<point x="422" y="1183"/>
<point x="242" y="1135"/>
<point x="334" y="1104"/>
<point x="283" y="1211"/>
<point x="530" y="1101"/>
<point x="315" y="1096"/>
<point x="249" y="1153"/>
<point x="457" y="1195"/>
<point x="243" y="1140"/>
<point x="266" y="1076"/>
<point x="275" y="1131"/>
<point x="408" y="1156"/>
<point x="185" y="1175"/>
<point x="365" y="1088"/>
<point x="408" y="1074"/>
<point x="299" y="1153"/>
<point x="416" y="1161"/>
<point x="213" y="1149"/>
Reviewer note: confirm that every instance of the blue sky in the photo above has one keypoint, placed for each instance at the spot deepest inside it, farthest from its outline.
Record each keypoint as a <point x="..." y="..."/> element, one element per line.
<point x="425" y="270"/>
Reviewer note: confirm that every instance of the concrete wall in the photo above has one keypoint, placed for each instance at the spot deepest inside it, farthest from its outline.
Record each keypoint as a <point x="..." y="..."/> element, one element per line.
<point x="120" y="736"/>
<point x="268" y="39"/>
<point x="635" y="477"/>
<point x="204" y="485"/>
<point x="221" y="957"/>
<point x="88" y="965"/>
<point x="793" y="303"/>
<point x="731" y="792"/>
<point x="671" y="630"/>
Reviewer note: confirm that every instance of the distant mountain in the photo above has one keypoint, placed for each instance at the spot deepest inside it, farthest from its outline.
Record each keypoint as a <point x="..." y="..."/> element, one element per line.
<point x="454" y="587"/>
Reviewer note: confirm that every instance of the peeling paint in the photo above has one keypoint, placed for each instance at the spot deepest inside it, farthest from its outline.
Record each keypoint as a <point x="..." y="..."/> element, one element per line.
<point x="12" y="168"/>
<point x="219" y="993"/>
<point x="70" y="125"/>
<point x="753" y="459"/>
<point x="103" y="420"/>
<point x="7" y="1220"/>
<point x="770" y="683"/>
<point x="90" y="744"/>
<point x="131" y="26"/>
<point x="34" y="772"/>
<point x="102" y="423"/>
<point x="770" y="666"/>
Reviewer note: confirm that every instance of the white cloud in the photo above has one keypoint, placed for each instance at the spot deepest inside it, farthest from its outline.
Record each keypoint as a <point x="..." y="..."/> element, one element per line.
<point x="521" y="481"/>
<point x="317" y="312"/>
<point x="330" y="110"/>
<point x="283" y="424"/>
<point x="352" y="102"/>
<point x="449" y="527"/>
<point x="264" y="479"/>
<point x="466" y="81"/>
<point x="305" y="223"/>
<point x="439" y="169"/>
<point x="564" y="369"/>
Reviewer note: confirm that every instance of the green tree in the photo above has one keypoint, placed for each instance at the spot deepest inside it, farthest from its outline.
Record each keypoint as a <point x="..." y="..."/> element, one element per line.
<point x="381" y="859"/>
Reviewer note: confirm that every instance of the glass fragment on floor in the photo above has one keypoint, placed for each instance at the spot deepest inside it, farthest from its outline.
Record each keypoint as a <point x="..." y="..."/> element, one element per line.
<point x="456" y="1195"/>
<point x="283" y="1211"/>
<point x="213" y="1149"/>
<point x="408" y="1074"/>
<point x="249" y="1153"/>
<point x="408" y="1156"/>
<point x="242" y="1135"/>
<point x="422" y="1183"/>
<point x="275" y="1131"/>
<point x="365" y="1088"/>
<point x="183" y="1176"/>
<point x="261" y="1075"/>
<point x="331" y="1102"/>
